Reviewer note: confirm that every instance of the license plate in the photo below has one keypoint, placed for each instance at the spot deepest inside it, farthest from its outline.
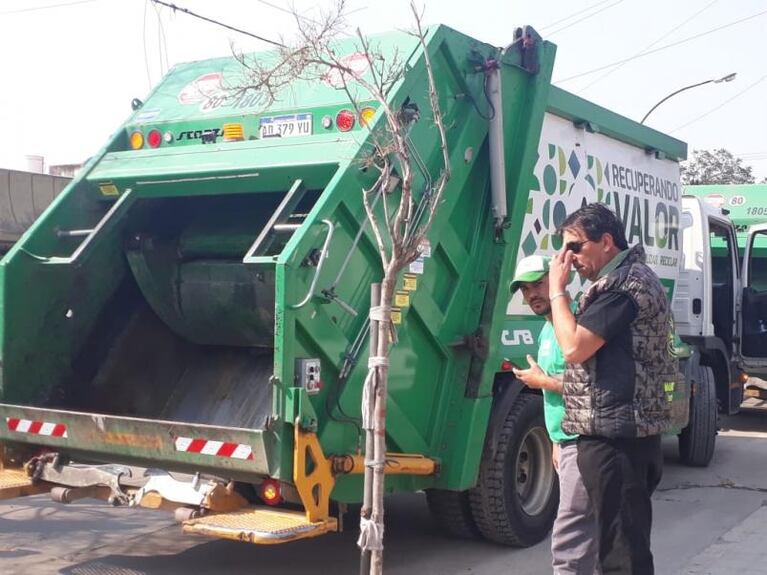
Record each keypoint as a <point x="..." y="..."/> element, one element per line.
<point x="285" y="126"/>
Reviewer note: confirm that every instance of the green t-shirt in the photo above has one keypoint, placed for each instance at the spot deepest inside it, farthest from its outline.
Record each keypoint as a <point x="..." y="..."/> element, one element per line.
<point x="552" y="361"/>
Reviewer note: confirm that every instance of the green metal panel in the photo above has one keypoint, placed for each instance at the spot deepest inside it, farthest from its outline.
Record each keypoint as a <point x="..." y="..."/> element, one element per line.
<point x="525" y="98"/>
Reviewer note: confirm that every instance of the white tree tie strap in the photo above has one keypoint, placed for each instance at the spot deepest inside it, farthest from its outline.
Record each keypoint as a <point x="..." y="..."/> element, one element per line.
<point x="380" y="313"/>
<point x="378" y="361"/>
<point x="368" y="407"/>
<point x="369" y="389"/>
<point x="371" y="535"/>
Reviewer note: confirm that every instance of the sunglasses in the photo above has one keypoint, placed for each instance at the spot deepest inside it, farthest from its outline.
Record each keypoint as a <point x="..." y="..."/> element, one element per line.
<point x="576" y="247"/>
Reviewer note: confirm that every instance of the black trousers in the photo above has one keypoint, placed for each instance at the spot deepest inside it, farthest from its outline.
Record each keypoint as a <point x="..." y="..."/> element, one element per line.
<point x="620" y="475"/>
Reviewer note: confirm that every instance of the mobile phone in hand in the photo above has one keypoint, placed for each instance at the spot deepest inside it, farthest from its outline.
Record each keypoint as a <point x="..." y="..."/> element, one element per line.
<point x="508" y="365"/>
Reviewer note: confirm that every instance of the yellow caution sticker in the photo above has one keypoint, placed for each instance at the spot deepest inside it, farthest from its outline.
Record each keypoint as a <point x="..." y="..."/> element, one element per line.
<point x="396" y="315"/>
<point x="109" y="189"/>
<point x="402" y="298"/>
<point x="410" y="282"/>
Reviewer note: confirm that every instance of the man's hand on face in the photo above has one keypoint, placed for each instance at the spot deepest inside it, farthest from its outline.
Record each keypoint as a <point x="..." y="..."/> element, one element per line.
<point x="559" y="271"/>
<point x="534" y="376"/>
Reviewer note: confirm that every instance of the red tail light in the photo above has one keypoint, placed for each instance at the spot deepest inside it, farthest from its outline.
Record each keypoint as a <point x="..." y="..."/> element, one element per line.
<point x="154" y="139"/>
<point x="345" y="120"/>
<point x="270" y="492"/>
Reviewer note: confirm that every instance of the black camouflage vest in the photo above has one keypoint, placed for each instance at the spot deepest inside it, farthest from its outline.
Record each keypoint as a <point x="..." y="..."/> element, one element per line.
<point x="591" y="406"/>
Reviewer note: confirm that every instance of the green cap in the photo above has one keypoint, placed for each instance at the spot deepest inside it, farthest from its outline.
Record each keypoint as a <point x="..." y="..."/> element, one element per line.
<point x="530" y="269"/>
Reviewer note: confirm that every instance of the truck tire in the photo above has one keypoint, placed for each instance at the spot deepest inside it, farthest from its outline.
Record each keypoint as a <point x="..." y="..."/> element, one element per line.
<point x="517" y="492"/>
<point x="698" y="439"/>
<point x="452" y="512"/>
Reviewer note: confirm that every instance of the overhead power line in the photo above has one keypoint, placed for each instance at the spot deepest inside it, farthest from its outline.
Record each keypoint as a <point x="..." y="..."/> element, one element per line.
<point x="727" y="101"/>
<point x="751" y="155"/>
<point x="286" y="10"/>
<point x="573" y="15"/>
<point x="307" y="19"/>
<point x="217" y="23"/>
<point x="650" y="45"/>
<point x="660" y="48"/>
<point x="162" y="43"/>
<point x="146" y="52"/>
<point x="571" y="24"/>
<point x="46" y="7"/>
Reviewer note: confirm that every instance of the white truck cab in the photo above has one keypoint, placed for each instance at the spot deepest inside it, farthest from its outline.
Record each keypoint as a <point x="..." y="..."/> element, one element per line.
<point x="720" y="305"/>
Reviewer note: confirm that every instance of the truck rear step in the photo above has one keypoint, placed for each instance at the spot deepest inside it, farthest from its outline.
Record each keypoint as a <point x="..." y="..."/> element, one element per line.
<point x="15" y="482"/>
<point x="261" y="525"/>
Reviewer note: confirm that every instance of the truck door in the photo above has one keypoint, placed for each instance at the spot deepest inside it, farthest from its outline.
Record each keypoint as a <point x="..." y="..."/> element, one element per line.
<point x="753" y="317"/>
<point x="724" y="281"/>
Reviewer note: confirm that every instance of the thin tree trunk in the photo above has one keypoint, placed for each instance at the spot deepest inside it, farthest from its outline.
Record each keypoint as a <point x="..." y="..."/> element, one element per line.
<point x="379" y="429"/>
<point x="367" y="501"/>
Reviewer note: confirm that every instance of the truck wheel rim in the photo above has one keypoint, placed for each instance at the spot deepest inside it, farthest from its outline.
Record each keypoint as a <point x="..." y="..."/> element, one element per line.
<point x="534" y="471"/>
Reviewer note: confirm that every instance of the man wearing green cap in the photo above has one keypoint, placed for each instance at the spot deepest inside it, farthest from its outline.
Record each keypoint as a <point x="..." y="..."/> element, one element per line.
<point x="574" y="546"/>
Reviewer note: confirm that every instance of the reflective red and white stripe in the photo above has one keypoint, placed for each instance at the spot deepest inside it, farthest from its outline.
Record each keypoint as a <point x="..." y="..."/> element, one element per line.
<point x="36" y="427"/>
<point x="217" y="448"/>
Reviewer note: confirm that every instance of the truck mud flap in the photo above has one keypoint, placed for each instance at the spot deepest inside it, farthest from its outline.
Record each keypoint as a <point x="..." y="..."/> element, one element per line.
<point x="232" y="452"/>
<point x="260" y="525"/>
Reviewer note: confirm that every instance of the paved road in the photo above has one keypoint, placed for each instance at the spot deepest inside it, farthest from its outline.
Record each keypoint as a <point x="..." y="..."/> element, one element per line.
<point x="707" y="521"/>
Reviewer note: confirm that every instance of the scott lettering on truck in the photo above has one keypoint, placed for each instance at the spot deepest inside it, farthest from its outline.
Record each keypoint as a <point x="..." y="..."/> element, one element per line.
<point x="198" y="134"/>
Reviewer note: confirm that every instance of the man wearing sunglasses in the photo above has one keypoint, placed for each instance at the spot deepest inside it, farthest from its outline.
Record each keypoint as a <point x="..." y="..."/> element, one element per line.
<point x="619" y="360"/>
<point x="574" y="535"/>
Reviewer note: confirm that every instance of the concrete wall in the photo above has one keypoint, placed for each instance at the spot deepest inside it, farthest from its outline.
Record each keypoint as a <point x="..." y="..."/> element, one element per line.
<point x="23" y="197"/>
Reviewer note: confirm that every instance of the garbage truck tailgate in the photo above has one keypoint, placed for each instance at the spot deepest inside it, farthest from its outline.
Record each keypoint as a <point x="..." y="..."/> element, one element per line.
<point x="233" y="452"/>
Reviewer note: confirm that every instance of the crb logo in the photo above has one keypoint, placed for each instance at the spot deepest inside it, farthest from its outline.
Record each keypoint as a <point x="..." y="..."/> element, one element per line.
<point x="211" y="133"/>
<point x="524" y="336"/>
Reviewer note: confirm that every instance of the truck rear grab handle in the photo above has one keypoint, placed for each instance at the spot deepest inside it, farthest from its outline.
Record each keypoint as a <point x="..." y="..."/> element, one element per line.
<point x="323" y="257"/>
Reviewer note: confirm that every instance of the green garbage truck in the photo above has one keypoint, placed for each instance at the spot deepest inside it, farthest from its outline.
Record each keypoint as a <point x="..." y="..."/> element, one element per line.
<point x="185" y="328"/>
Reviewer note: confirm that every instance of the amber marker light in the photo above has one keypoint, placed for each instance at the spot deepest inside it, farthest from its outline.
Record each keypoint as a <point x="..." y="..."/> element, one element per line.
<point x="136" y="140"/>
<point x="233" y="132"/>
<point x="366" y="116"/>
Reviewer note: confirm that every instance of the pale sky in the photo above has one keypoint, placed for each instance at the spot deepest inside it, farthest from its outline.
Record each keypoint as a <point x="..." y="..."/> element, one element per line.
<point x="71" y="71"/>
